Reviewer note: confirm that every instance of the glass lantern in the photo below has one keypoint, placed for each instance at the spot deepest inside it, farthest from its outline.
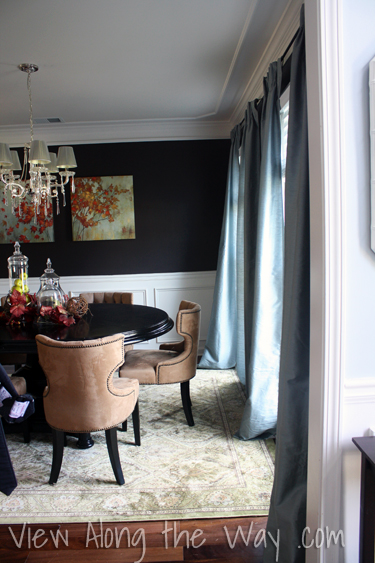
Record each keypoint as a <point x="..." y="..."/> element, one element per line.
<point x="50" y="293"/>
<point x="18" y="271"/>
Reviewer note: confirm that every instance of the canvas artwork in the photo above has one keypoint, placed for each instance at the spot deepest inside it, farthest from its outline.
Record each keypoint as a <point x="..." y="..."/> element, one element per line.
<point x="103" y="208"/>
<point x="22" y="226"/>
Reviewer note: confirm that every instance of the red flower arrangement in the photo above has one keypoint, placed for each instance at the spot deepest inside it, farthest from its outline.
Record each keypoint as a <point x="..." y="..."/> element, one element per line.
<point x="22" y="308"/>
<point x="19" y="308"/>
<point x="57" y="315"/>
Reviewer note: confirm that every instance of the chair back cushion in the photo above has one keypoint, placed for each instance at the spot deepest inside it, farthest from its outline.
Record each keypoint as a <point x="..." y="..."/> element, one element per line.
<point x="183" y="366"/>
<point x="108" y="297"/>
<point x="80" y="395"/>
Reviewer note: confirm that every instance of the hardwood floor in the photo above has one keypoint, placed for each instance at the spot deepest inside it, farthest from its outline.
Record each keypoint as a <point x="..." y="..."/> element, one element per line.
<point x="206" y="541"/>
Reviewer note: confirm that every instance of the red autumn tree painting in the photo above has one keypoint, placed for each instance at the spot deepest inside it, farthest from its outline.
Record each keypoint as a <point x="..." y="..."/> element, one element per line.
<point x="22" y="226"/>
<point x="103" y="208"/>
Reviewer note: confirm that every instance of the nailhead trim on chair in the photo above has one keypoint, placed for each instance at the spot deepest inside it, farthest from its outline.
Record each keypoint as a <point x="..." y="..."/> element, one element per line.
<point x="179" y="361"/>
<point x="88" y="431"/>
<point x="89" y="346"/>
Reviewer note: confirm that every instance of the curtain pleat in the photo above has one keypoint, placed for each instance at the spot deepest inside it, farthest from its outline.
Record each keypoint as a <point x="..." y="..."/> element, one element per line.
<point x="221" y="345"/>
<point x="263" y="235"/>
<point x="245" y="324"/>
<point x="288" y="500"/>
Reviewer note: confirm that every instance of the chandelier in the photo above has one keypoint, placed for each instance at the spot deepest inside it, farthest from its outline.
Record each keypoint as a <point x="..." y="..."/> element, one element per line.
<point x="36" y="184"/>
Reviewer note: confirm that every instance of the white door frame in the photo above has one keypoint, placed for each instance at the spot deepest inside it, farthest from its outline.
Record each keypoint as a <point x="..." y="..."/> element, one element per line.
<point x="323" y="41"/>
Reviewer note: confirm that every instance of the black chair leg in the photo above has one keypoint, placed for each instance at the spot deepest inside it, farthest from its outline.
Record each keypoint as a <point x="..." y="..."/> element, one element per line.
<point x="111" y="439"/>
<point x="26" y="431"/>
<point x="58" y="437"/>
<point x="186" y="402"/>
<point x="136" y="425"/>
<point x="125" y="426"/>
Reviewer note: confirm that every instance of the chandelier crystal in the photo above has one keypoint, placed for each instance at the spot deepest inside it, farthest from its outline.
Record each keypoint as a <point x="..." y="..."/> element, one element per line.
<point x="37" y="183"/>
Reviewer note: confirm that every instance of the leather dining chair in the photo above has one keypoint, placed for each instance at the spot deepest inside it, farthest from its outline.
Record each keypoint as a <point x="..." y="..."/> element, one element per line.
<point x="107" y="297"/>
<point x="172" y="363"/>
<point x="82" y="396"/>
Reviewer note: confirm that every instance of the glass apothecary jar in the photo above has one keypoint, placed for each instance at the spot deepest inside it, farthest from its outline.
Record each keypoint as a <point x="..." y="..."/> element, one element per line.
<point x="18" y="271"/>
<point x="50" y="293"/>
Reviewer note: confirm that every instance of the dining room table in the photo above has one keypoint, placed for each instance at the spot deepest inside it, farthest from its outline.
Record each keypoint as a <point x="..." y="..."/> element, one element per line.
<point x="138" y="323"/>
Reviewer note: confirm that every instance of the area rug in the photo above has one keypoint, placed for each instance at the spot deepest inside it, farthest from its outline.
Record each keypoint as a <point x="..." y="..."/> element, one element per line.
<point x="178" y="471"/>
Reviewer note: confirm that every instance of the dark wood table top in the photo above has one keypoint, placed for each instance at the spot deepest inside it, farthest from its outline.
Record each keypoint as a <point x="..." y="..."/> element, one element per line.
<point x="137" y="322"/>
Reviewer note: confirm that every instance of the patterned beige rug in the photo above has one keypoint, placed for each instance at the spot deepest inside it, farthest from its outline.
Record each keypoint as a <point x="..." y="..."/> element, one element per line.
<point x="178" y="472"/>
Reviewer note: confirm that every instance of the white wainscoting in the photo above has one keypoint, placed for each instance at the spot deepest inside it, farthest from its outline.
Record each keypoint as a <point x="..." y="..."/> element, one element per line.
<point x="164" y="291"/>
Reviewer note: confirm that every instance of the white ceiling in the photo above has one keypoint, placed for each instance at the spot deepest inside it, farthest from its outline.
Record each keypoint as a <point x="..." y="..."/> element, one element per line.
<point x="115" y="63"/>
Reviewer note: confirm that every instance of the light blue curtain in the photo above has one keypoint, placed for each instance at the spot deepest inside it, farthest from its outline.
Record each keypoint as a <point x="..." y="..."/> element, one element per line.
<point x="245" y="326"/>
<point x="221" y="344"/>
<point x="263" y="258"/>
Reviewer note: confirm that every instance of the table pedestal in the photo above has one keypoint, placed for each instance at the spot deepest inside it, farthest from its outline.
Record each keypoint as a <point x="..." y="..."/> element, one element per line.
<point x="84" y="441"/>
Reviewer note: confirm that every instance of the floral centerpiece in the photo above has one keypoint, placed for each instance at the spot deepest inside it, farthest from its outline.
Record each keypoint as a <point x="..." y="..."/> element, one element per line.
<point x="58" y="315"/>
<point x="21" y="308"/>
<point x="50" y="305"/>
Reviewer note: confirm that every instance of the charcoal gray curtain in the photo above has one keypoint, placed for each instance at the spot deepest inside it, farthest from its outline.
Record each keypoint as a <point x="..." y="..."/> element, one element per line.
<point x="245" y="324"/>
<point x="288" y="501"/>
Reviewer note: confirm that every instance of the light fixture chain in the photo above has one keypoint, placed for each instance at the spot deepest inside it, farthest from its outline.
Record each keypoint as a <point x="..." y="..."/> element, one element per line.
<point x="31" y="106"/>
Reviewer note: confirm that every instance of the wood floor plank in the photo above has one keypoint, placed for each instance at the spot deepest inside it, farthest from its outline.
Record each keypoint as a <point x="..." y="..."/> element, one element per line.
<point x="209" y="540"/>
<point x="13" y="556"/>
<point x="210" y="552"/>
<point x="223" y="530"/>
<point x="131" y="555"/>
<point x="81" y="535"/>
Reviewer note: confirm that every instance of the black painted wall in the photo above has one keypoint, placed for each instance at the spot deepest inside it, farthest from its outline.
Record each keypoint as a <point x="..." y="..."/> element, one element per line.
<point x="179" y="191"/>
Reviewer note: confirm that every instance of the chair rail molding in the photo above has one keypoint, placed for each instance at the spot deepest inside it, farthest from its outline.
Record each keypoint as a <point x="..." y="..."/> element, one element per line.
<point x="164" y="291"/>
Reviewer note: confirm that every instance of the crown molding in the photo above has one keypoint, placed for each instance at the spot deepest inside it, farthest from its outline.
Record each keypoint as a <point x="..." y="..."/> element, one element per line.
<point x="117" y="131"/>
<point x="279" y="41"/>
<point x="198" y="127"/>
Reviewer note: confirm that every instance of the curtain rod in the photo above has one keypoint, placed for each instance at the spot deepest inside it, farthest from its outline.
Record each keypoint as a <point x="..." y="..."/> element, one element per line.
<point x="282" y="60"/>
<point x="289" y="46"/>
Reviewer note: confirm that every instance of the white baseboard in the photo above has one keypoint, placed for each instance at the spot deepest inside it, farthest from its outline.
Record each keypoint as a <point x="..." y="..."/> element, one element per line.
<point x="164" y="291"/>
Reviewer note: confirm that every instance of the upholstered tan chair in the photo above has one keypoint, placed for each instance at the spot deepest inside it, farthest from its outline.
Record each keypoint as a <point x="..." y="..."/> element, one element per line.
<point x="172" y="363"/>
<point x="108" y="297"/>
<point x="82" y="396"/>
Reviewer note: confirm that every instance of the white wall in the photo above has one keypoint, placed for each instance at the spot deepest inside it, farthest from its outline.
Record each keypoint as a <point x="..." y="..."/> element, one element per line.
<point x="358" y="48"/>
<point x="358" y="358"/>
<point x="340" y="43"/>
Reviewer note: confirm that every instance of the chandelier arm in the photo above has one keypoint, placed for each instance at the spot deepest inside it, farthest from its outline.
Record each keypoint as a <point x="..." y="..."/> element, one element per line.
<point x="13" y="186"/>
